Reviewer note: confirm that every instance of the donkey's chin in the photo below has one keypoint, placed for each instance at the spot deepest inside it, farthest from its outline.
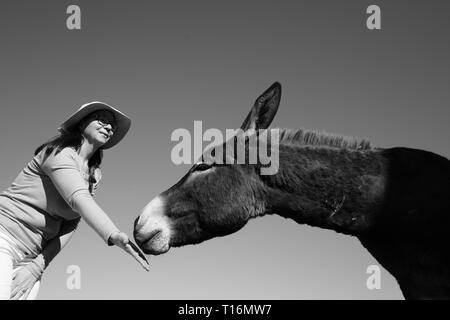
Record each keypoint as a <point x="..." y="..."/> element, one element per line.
<point x="155" y="249"/>
<point x="155" y="245"/>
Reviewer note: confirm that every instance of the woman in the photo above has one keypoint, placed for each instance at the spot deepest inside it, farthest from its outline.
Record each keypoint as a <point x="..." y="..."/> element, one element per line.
<point x="41" y="209"/>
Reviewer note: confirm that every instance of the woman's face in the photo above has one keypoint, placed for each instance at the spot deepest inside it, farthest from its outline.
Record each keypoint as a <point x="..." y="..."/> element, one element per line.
<point x="98" y="127"/>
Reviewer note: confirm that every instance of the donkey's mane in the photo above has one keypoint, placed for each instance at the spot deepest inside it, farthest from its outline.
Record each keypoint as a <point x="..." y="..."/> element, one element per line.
<point x="322" y="138"/>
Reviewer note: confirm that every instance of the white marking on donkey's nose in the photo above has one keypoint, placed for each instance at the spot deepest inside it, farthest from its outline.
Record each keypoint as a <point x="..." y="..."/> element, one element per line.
<point x="153" y="218"/>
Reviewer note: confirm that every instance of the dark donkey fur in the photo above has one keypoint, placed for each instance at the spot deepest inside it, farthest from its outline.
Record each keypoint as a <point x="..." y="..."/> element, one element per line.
<point x="395" y="201"/>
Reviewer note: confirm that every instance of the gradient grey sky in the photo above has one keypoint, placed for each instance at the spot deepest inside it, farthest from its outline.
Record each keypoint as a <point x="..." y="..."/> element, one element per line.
<point x="168" y="63"/>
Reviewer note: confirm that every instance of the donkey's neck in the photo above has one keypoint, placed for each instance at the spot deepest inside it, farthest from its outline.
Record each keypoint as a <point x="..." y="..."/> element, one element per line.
<point x="333" y="188"/>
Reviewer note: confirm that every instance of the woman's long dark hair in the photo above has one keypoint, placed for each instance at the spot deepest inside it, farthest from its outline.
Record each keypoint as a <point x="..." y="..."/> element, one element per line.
<point x="72" y="139"/>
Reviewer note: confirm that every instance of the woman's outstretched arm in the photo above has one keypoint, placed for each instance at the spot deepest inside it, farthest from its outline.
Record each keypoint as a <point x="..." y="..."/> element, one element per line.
<point x="62" y="169"/>
<point x="67" y="179"/>
<point x="83" y="203"/>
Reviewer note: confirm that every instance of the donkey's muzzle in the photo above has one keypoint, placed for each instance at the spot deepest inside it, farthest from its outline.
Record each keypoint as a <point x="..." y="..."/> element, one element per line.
<point x="151" y="228"/>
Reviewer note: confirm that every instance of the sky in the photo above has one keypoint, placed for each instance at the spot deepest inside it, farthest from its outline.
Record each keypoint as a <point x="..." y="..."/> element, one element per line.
<point x="169" y="63"/>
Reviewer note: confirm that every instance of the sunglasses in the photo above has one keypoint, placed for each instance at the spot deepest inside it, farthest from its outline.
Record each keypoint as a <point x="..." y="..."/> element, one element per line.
<point x="104" y="121"/>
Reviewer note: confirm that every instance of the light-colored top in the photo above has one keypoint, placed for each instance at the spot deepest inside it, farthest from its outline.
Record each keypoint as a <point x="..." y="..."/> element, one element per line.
<point x="34" y="207"/>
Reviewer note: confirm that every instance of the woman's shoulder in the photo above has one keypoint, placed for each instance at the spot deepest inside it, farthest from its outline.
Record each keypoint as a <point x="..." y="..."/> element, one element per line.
<point x="66" y="151"/>
<point x="59" y="158"/>
<point x="70" y="152"/>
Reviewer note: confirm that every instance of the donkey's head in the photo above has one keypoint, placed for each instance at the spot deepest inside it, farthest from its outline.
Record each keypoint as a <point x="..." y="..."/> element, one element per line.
<point x="212" y="199"/>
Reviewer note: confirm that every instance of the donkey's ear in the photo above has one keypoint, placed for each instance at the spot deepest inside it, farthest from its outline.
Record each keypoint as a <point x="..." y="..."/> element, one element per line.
<point x="264" y="109"/>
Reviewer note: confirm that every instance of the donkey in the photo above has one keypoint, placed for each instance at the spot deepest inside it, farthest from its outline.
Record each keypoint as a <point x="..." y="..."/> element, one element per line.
<point x="396" y="201"/>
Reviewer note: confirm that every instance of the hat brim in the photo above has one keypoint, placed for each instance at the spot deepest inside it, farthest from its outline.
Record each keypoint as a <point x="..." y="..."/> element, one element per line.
<point x="123" y="122"/>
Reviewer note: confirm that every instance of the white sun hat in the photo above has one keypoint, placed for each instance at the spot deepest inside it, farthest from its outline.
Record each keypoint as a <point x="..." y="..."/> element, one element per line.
<point x="123" y="122"/>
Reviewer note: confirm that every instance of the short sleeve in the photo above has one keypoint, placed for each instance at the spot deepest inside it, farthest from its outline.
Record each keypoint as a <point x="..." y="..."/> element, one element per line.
<point x="63" y="169"/>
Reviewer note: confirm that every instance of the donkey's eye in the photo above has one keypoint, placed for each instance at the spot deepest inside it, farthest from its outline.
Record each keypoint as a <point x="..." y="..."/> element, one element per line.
<point x="202" y="167"/>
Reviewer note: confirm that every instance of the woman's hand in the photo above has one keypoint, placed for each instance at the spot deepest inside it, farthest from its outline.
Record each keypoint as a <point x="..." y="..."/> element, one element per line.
<point x="122" y="240"/>
<point x="23" y="282"/>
